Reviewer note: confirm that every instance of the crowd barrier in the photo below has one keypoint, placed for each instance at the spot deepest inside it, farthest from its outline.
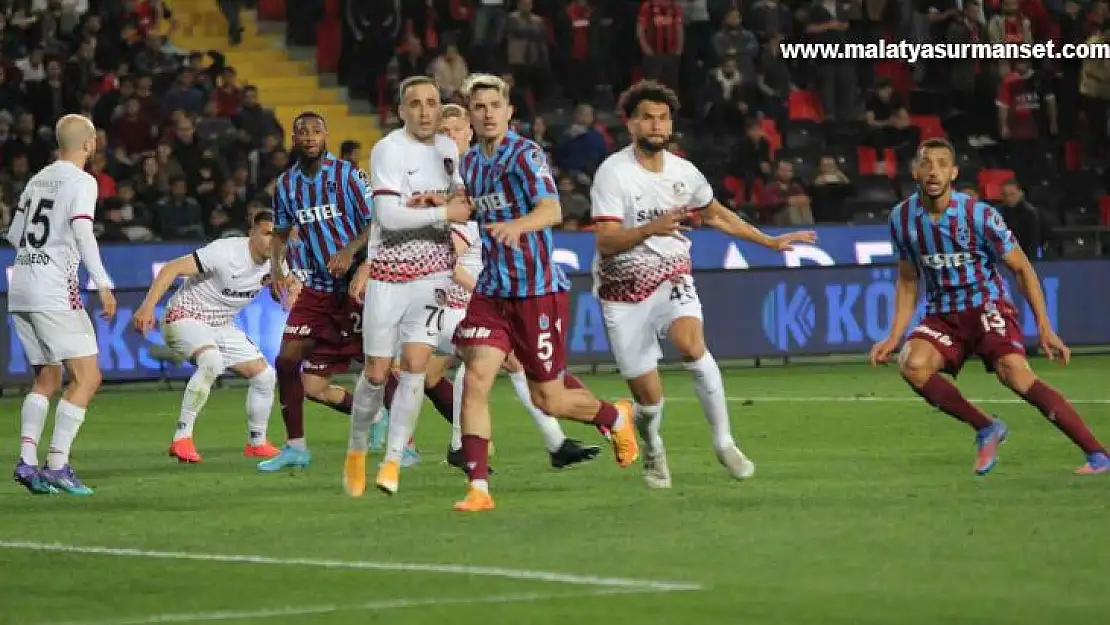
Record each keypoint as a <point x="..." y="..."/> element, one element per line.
<point x="770" y="312"/>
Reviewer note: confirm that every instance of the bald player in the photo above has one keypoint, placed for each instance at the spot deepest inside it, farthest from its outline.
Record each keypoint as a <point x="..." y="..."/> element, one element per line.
<point x="52" y="231"/>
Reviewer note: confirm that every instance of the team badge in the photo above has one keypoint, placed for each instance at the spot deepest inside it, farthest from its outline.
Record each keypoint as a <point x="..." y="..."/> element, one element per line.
<point x="266" y="280"/>
<point x="449" y="166"/>
<point x="365" y="176"/>
<point x="963" y="236"/>
<point x="538" y="162"/>
<point x="331" y="186"/>
<point x="441" y="297"/>
<point x="679" y="188"/>
<point x="545" y="323"/>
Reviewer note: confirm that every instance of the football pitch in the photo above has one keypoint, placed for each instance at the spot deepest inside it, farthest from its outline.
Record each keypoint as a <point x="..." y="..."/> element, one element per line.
<point x="863" y="510"/>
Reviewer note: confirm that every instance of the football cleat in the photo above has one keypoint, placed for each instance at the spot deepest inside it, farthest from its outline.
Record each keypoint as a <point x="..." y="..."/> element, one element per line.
<point x="572" y="452"/>
<point x="185" y="451"/>
<point x="987" y="441"/>
<point x="65" y="480"/>
<point x="476" y="500"/>
<point x="1097" y="464"/>
<point x="30" y="477"/>
<point x="287" y="458"/>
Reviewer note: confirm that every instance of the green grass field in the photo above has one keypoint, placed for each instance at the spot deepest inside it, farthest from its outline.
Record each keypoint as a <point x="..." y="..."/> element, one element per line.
<point x="863" y="510"/>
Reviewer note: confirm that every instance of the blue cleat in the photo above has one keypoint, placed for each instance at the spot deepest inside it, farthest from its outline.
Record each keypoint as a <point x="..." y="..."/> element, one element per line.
<point x="987" y="441"/>
<point x="65" y="480"/>
<point x="1097" y="464"/>
<point x="289" y="458"/>
<point x="379" y="431"/>
<point x="30" y="477"/>
<point x="411" y="457"/>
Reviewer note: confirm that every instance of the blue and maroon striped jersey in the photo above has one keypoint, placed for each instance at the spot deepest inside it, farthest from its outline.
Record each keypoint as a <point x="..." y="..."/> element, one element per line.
<point x="329" y="210"/>
<point x="957" y="255"/>
<point x="504" y="187"/>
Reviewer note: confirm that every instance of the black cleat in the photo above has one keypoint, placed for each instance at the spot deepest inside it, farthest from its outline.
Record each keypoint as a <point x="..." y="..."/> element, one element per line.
<point x="573" y="452"/>
<point x="456" y="459"/>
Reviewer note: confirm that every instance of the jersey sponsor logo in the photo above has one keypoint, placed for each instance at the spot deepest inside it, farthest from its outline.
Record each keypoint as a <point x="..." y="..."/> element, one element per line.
<point x="302" y="330"/>
<point x="645" y="215"/>
<point x="936" y="335"/>
<point x="317" y="213"/>
<point x="491" y="203"/>
<point x="947" y="261"/>
<point x="474" y="333"/>
<point x="239" y="294"/>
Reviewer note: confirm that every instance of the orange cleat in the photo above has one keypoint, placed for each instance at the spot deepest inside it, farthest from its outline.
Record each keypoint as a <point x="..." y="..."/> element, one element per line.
<point x="625" y="447"/>
<point x="354" y="473"/>
<point x="185" y="451"/>
<point x="476" y="500"/>
<point x="389" y="477"/>
<point x="265" y="450"/>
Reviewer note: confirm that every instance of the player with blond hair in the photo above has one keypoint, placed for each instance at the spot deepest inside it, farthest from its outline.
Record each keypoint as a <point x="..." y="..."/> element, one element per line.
<point x="52" y="231"/>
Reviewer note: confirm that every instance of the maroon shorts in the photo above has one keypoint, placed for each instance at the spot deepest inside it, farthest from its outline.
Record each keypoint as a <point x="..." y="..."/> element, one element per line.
<point x="333" y="322"/>
<point x="989" y="332"/>
<point x="530" y="327"/>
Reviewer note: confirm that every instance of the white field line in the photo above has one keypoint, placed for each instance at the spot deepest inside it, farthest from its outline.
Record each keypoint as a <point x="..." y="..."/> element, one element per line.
<point x="847" y="399"/>
<point x="370" y="565"/>
<point x="370" y="606"/>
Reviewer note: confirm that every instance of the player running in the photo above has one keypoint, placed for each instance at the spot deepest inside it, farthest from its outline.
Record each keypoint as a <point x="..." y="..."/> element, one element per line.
<point x="324" y="198"/>
<point x="955" y="245"/>
<point x="641" y="195"/>
<point x="519" y="304"/>
<point x="52" y="231"/>
<point x="221" y="278"/>
<point x="405" y="280"/>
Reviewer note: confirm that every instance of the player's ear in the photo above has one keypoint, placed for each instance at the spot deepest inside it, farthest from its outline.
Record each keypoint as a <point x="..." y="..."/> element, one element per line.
<point x="955" y="174"/>
<point x="512" y="112"/>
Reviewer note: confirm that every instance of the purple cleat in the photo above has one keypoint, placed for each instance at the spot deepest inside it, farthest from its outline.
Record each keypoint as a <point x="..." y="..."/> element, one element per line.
<point x="65" y="480"/>
<point x="30" y="476"/>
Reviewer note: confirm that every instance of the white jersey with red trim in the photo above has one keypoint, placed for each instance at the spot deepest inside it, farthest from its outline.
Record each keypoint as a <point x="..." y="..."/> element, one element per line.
<point x="471" y="261"/>
<point x="44" y="274"/>
<point x="403" y="167"/>
<point x="229" y="279"/>
<point x="624" y="192"/>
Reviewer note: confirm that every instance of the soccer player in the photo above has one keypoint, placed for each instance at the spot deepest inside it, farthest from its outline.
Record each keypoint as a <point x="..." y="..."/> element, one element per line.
<point x="562" y="451"/>
<point x="519" y="304"/>
<point x="405" y="280"/>
<point x="954" y="246"/>
<point x="221" y="278"/>
<point x="324" y="198"/>
<point x="641" y="195"/>
<point x="52" y="231"/>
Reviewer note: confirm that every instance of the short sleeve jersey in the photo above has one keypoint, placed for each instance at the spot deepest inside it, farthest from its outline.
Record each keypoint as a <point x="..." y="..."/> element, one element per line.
<point x="229" y="279"/>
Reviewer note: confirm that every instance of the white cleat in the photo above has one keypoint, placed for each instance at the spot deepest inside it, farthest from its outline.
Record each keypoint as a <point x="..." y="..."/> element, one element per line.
<point x="656" y="472"/>
<point x="737" y="464"/>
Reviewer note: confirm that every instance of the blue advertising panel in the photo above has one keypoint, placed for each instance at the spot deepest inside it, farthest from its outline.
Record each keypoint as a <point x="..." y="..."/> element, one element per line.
<point x="134" y="265"/>
<point x="769" y="312"/>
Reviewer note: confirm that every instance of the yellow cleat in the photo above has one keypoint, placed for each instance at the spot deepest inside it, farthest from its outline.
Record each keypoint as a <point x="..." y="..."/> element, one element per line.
<point x="354" y="473"/>
<point x="625" y="447"/>
<point x="476" y="500"/>
<point x="389" y="477"/>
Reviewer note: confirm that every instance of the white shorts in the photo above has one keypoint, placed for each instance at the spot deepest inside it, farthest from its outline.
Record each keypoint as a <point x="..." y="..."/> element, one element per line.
<point x="51" y="338"/>
<point x="399" y="313"/>
<point x="449" y="319"/>
<point x="635" y="329"/>
<point x="188" y="336"/>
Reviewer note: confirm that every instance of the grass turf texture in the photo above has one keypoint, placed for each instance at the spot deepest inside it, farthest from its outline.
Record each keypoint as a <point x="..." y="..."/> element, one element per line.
<point x="861" y="512"/>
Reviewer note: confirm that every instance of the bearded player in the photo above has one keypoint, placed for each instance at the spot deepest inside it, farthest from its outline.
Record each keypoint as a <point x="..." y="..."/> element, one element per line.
<point x="954" y="246"/>
<point x="324" y="198"/>
<point x="519" y="304"/>
<point x="641" y="195"/>
<point x="221" y="278"/>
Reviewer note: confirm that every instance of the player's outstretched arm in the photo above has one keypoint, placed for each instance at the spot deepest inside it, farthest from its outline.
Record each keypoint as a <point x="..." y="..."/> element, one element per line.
<point x="187" y="265"/>
<point x="716" y="216"/>
<point x="90" y="256"/>
<point x="1030" y="286"/>
<point x="905" y="305"/>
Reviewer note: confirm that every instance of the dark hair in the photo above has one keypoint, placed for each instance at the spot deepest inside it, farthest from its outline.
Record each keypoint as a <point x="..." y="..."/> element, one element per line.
<point x="647" y="91"/>
<point x="263" y="215"/>
<point x="307" y="115"/>
<point x="937" y="143"/>
<point x="1012" y="182"/>
<point x="348" y="146"/>
<point x="177" y="180"/>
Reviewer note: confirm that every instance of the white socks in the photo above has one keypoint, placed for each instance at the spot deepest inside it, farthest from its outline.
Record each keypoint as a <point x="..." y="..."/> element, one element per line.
<point x="67" y="422"/>
<point x="403" y="414"/>
<point x="365" y="404"/>
<point x="710" y="389"/>
<point x="260" y="402"/>
<point x="456" y="408"/>
<point x="210" y="364"/>
<point x="648" y="421"/>
<point x="32" y="421"/>
<point x="549" y="427"/>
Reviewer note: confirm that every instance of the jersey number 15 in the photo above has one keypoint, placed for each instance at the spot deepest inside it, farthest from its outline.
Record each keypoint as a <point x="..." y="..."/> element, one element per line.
<point x="40" y="219"/>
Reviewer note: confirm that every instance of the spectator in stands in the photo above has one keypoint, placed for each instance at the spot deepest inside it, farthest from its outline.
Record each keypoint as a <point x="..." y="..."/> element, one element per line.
<point x="836" y="78"/>
<point x="207" y="186"/>
<point x="538" y="132"/>
<point x="1023" y="219"/>
<point x="111" y="226"/>
<point x="149" y="186"/>
<point x="580" y="29"/>
<point x="256" y="120"/>
<point x="659" y="31"/>
<point x="770" y="18"/>
<point x="733" y="40"/>
<point x="33" y="66"/>
<point x="53" y="97"/>
<point x="576" y="206"/>
<point x="81" y="70"/>
<point x="698" y="55"/>
<point x="15" y="178"/>
<point x="490" y="17"/>
<point x="136" y="216"/>
<point x="783" y="201"/>
<point x="1026" y="115"/>
<point x="28" y="143"/>
<point x="168" y="165"/>
<point x="887" y="118"/>
<point x="753" y="157"/>
<point x="229" y="201"/>
<point x="968" y="86"/>
<point x="831" y="187"/>
<point x="187" y="149"/>
<point x="449" y="70"/>
<point x="179" y="216"/>
<point x="5" y="210"/>
<point x="1009" y="26"/>
<point x="729" y="96"/>
<point x="581" y="148"/>
<point x="132" y="130"/>
<point x="105" y="183"/>
<point x="774" y="82"/>
<point x="231" y="10"/>
<point x="1094" y="90"/>
<point x="227" y="94"/>
<point x="350" y="151"/>
<point x="526" y="49"/>
<point x="11" y="92"/>
<point x="184" y="94"/>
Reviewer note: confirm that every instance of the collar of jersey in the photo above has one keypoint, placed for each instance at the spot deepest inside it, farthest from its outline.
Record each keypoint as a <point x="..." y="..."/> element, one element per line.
<point x="509" y="137"/>
<point x="325" y="157"/>
<point x="953" y="204"/>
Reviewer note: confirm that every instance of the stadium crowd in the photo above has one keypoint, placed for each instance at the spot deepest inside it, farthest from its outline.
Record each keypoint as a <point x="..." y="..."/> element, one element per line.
<point x="187" y="151"/>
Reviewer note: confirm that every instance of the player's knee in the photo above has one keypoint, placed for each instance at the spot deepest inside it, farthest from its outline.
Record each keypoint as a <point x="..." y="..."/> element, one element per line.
<point x="210" y="365"/>
<point x="87" y="379"/>
<point x="1015" y="373"/>
<point x="915" y="368"/>
<point x="266" y="379"/>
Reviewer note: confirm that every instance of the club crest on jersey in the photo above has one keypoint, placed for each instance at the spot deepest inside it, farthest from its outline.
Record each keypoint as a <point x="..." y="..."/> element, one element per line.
<point x="963" y="236"/>
<point x="544" y="322"/>
<point x="538" y="162"/>
<point x="441" y="297"/>
<point x="265" y="280"/>
<point x="679" y="188"/>
<point x="331" y="186"/>
<point x="449" y="166"/>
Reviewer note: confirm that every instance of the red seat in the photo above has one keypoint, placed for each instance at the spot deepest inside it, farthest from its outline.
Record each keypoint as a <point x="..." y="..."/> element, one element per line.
<point x="329" y="32"/>
<point x="271" y="10"/>
<point x="773" y="137"/>
<point x="929" y="125"/>
<point x="1104" y="210"/>
<point x="735" y="186"/>
<point x="1073" y="156"/>
<point x="991" y="181"/>
<point x="869" y="164"/>
<point x="804" y="105"/>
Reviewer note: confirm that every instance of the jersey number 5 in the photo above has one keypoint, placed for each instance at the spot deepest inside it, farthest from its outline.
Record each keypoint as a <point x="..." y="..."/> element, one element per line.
<point x="41" y="219"/>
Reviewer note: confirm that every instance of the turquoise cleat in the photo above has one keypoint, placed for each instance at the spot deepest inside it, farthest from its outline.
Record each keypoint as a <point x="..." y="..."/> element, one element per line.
<point x="289" y="458"/>
<point x="379" y="431"/>
<point x="411" y="457"/>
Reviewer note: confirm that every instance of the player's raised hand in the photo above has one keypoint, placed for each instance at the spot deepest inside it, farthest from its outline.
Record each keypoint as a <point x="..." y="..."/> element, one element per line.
<point x="107" y="304"/>
<point x="291" y="297"/>
<point x="880" y="352"/>
<point x="341" y="261"/>
<point x="357" y="288"/>
<point x="279" y="285"/>
<point x="667" y="224"/>
<point x="785" y="242"/>
<point x="458" y="208"/>
<point x="1053" y="347"/>
<point x="143" y="319"/>
<point x="506" y="233"/>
